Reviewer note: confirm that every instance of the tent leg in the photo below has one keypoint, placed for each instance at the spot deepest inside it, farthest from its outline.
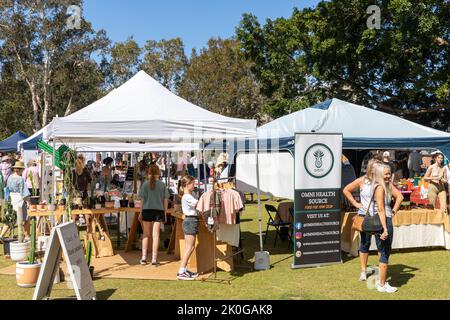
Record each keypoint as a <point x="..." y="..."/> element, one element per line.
<point x="204" y="166"/>
<point x="54" y="179"/>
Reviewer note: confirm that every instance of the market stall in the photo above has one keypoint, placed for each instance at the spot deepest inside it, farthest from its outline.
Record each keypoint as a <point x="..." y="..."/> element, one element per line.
<point x="139" y="114"/>
<point x="362" y="128"/>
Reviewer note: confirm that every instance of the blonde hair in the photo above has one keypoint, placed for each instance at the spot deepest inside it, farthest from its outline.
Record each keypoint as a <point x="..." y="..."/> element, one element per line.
<point x="153" y="173"/>
<point x="79" y="165"/>
<point x="184" y="182"/>
<point x="378" y="180"/>
<point x="370" y="168"/>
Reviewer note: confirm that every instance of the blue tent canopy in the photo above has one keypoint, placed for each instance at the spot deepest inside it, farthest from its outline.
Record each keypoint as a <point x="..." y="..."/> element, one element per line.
<point x="362" y="128"/>
<point x="10" y="143"/>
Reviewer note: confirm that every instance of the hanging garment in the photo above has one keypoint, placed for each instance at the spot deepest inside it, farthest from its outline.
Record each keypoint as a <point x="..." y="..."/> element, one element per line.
<point x="229" y="233"/>
<point x="231" y="204"/>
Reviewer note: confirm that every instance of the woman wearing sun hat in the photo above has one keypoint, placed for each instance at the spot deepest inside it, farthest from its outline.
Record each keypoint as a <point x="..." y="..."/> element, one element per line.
<point x="19" y="193"/>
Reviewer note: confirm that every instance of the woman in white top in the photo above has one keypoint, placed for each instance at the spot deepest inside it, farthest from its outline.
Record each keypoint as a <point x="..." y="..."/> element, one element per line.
<point x="384" y="192"/>
<point x="364" y="184"/>
<point x="436" y="175"/>
<point x="190" y="225"/>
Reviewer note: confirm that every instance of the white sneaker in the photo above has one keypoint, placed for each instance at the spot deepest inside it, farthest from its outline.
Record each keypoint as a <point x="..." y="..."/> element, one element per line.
<point x="363" y="276"/>
<point x="386" y="288"/>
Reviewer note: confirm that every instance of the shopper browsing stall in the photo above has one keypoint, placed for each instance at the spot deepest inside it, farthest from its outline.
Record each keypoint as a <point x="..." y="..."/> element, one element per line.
<point x="106" y="175"/>
<point x="155" y="199"/>
<point x="190" y="225"/>
<point x="32" y="176"/>
<point x="437" y="177"/>
<point x="19" y="194"/>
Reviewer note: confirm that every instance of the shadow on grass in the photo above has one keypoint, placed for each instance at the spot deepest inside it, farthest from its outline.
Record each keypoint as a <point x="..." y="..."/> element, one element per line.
<point x="401" y="274"/>
<point x="105" y="294"/>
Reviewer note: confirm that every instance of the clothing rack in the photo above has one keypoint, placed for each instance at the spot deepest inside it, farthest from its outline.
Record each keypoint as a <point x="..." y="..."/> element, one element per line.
<point x="240" y="251"/>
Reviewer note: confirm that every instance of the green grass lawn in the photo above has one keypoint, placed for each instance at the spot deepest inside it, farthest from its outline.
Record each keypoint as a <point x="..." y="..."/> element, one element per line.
<point x="419" y="274"/>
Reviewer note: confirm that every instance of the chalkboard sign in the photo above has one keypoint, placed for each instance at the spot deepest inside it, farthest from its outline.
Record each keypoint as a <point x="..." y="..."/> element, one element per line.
<point x="64" y="239"/>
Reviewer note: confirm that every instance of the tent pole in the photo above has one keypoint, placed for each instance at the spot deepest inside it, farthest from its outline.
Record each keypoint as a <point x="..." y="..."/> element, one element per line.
<point x="204" y="166"/>
<point x="259" y="196"/>
<point x="54" y="180"/>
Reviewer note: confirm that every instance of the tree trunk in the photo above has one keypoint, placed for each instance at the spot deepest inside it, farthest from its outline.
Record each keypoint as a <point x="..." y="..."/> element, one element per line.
<point x="69" y="106"/>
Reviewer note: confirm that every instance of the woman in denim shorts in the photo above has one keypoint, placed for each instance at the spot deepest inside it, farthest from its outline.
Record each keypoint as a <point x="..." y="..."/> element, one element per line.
<point x="190" y="225"/>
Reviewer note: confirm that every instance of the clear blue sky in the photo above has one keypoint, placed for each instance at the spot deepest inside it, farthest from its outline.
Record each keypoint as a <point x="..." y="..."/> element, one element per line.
<point x="194" y="21"/>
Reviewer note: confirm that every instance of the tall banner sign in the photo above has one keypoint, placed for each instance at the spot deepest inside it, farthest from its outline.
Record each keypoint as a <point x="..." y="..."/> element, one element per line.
<point x="317" y="172"/>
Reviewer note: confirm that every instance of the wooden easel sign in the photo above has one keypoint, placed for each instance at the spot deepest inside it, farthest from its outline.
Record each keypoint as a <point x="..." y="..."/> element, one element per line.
<point x="65" y="237"/>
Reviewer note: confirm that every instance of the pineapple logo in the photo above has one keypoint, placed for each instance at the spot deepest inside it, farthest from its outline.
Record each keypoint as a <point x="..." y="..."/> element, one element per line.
<point x="318" y="160"/>
<point x="319" y="155"/>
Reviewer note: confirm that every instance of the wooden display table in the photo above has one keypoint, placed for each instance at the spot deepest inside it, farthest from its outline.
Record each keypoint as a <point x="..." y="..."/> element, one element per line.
<point x="97" y="230"/>
<point x="202" y="259"/>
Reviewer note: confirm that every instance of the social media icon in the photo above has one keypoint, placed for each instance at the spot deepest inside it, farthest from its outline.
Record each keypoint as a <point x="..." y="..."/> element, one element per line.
<point x="299" y="245"/>
<point x="298" y="235"/>
<point x="298" y="254"/>
<point x="298" y="226"/>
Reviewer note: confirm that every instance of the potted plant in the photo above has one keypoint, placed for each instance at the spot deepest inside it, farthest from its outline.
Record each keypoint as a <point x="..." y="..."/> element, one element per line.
<point x="98" y="203"/>
<point x="89" y="258"/>
<point x="124" y="201"/>
<point x="8" y="217"/>
<point x="62" y="204"/>
<point x="51" y="206"/>
<point x="27" y="272"/>
<point x="108" y="203"/>
<point x="20" y="248"/>
<point x="131" y="203"/>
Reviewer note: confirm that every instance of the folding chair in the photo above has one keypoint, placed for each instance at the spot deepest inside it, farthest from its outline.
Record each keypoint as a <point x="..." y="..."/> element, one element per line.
<point x="277" y="223"/>
<point x="291" y="229"/>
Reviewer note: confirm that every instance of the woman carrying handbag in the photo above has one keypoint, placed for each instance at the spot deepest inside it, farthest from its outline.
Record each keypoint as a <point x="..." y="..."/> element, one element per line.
<point x="384" y="190"/>
<point x="364" y="186"/>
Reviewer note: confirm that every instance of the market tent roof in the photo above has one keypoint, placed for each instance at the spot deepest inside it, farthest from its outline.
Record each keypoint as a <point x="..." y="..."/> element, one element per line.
<point x="31" y="143"/>
<point x="10" y="143"/>
<point x="142" y="110"/>
<point x="365" y="128"/>
<point x="303" y="120"/>
<point x="362" y="128"/>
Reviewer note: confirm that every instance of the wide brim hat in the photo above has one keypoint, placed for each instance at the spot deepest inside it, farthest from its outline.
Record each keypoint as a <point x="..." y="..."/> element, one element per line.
<point x="223" y="157"/>
<point x="4" y="158"/>
<point x="108" y="160"/>
<point x="19" y="165"/>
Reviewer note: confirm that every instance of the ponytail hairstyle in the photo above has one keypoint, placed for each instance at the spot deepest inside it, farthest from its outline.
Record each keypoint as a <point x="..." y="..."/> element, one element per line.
<point x="153" y="173"/>
<point x="184" y="182"/>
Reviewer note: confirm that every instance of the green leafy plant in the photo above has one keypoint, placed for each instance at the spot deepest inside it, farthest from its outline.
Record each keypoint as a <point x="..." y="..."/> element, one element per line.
<point x="9" y="216"/>
<point x="89" y="253"/>
<point x="32" y="256"/>
<point x="69" y="180"/>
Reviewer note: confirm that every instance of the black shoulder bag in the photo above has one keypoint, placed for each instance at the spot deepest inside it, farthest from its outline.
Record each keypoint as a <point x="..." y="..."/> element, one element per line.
<point x="372" y="224"/>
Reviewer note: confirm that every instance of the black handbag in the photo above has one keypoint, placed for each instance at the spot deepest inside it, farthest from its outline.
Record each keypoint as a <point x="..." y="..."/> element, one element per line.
<point x="372" y="224"/>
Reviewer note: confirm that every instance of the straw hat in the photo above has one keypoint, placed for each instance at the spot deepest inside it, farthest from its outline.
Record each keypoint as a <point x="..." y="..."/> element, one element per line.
<point x="5" y="158"/>
<point x="19" y="165"/>
<point x="223" y="157"/>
